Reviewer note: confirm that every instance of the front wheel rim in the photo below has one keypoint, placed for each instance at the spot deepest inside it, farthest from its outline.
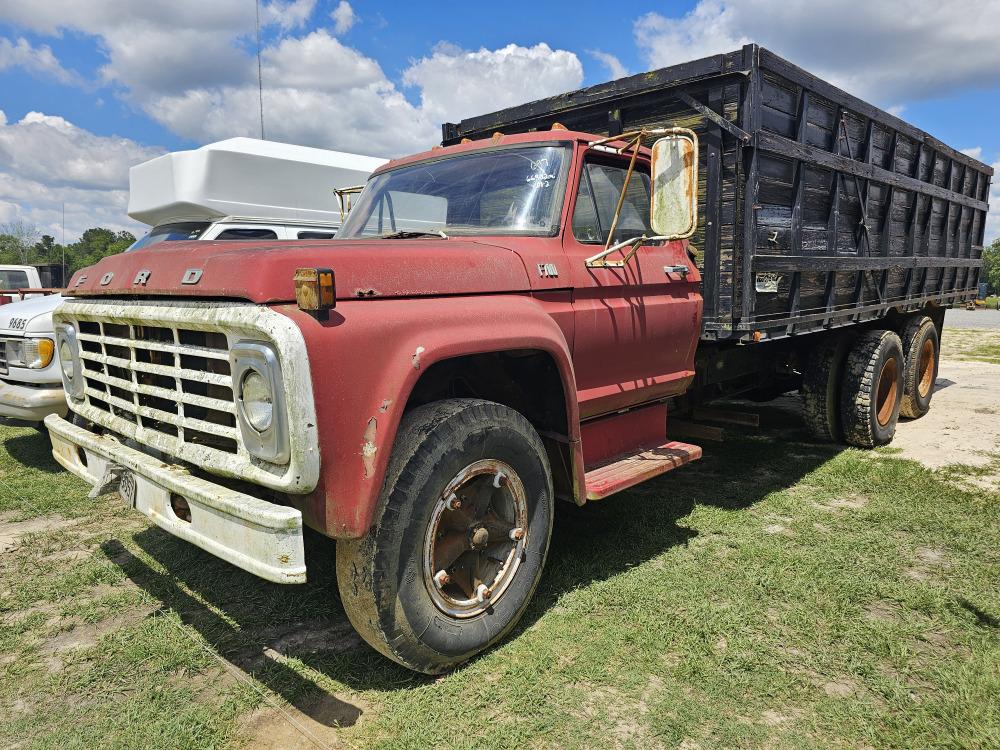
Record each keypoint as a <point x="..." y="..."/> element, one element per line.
<point x="476" y="538"/>
<point x="887" y="391"/>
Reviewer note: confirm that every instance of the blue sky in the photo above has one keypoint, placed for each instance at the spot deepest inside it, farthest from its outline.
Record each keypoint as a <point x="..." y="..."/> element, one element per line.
<point x="88" y="87"/>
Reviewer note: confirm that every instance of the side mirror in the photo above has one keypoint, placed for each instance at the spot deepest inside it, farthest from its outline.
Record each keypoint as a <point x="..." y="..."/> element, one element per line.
<point x="674" y="202"/>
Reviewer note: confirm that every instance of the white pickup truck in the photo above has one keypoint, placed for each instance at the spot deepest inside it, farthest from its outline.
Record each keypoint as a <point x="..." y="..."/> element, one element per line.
<point x="238" y="189"/>
<point x="30" y="384"/>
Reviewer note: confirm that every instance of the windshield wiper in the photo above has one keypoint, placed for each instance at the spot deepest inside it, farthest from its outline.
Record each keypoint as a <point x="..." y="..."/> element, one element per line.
<point x="406" y="234"/>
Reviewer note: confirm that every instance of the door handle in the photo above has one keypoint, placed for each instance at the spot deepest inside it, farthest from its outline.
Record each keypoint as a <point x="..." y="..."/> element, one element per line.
<point x="682" y="270"/>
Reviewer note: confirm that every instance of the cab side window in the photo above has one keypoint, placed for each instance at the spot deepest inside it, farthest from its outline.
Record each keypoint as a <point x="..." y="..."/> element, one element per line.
<point x="247" y="234"/>
<point x="13" y="279"/>
<point x="600" y="187"/>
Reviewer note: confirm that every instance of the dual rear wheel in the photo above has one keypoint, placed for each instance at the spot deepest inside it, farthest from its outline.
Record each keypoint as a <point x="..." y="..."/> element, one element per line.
<point x="855" y="388"/>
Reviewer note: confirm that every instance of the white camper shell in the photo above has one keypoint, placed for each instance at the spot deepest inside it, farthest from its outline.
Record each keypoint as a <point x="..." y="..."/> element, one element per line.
<point x="246" y="179"/>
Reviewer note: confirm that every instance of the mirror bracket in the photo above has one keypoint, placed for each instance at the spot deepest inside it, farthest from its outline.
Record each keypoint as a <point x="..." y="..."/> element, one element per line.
<point x="600" y="260"/>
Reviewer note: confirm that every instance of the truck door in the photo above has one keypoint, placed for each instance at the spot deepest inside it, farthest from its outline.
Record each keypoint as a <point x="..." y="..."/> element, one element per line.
<point x="636" y="326"/>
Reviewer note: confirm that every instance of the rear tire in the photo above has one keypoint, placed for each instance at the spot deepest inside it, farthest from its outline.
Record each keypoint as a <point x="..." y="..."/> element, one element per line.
<point x="462" y="471"/>
<point x="821" y="380"/>
<point x="872" y="389"/>
<point x="922" y="349"/>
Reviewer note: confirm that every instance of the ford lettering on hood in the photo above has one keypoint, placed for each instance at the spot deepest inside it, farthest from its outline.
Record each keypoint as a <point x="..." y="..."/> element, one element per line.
<point x="263" y="272"/>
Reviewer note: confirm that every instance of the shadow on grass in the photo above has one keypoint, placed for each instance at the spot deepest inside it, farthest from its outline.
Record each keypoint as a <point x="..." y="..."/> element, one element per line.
<point x="32" y="449"/>
<point x="251" y="622"/>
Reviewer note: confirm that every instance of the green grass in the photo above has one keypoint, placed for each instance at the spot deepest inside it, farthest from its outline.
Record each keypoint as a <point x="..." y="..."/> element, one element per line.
<point x="979" y="345"/>
<point x="778" y="593"/>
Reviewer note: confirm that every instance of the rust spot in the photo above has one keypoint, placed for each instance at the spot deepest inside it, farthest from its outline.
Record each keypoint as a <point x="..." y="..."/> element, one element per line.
<point x="416" y="357"/>
<point x="362" y="293"/>
<point x="283" y="559"/>
<point x="368" y="448"/>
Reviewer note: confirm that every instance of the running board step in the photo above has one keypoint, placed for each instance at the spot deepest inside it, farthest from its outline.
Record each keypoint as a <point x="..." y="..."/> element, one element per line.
<point x="629" y="471"/>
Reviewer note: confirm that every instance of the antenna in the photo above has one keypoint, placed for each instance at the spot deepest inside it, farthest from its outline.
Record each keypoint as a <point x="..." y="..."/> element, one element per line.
<point x="260" y="79"/>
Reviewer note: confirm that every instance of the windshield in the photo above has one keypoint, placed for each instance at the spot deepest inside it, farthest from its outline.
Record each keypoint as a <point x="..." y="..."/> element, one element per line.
<point x="188" y="230"/>
<point x="502" y="191"/>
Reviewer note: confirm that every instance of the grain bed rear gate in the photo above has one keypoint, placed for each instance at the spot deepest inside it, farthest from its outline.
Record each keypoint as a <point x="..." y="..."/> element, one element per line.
<point x="816" y="209"/>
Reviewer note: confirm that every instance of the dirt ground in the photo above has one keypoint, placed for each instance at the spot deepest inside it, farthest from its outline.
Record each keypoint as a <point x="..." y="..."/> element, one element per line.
<point x="963" y="425"/>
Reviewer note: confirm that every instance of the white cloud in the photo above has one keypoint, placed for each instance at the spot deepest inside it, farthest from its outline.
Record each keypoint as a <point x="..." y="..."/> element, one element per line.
<point x="37" y="60"/>
<point x="46" y="161"/>
<point x="457" y="83"/>
<point x="885" y="51"/>
<point x="318" y="62"/>
<point x="158" y="47"/>
<point x="288" y="15"/>
<point x="975" y="153"/>
<point x="320" y="92"/>
<point x="343" y="17"/>
<point x="613" y="64"/>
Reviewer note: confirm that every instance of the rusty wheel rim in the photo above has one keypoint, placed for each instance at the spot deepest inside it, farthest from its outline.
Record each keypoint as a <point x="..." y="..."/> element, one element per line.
<point x="925" y="365"/>
<point x="887" y="391"/>
<point x="476" y="538"/>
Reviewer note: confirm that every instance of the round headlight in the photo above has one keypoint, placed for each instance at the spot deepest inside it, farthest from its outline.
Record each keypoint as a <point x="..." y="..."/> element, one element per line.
<point x="66" y="359"/>
<point x="257" y="400"/>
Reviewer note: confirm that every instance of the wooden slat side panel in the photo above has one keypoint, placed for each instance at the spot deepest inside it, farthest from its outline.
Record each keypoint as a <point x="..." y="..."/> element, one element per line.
<point x="922" y="201"/>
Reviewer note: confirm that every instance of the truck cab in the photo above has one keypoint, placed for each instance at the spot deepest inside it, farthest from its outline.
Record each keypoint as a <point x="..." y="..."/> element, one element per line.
<point x="515" y="290"/>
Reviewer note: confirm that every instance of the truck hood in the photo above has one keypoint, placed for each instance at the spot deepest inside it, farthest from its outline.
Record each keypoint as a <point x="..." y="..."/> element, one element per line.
<point x="262" y="271"/>
<point x="35" y="311"/>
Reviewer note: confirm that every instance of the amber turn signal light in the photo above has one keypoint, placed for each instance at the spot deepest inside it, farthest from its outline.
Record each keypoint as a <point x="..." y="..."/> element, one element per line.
<point x="314" y="290"/>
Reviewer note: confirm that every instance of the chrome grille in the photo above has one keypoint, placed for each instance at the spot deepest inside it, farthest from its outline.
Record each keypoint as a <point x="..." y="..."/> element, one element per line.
<point x="156" y="374"/>
<point x="166" y="379"/>
<point x="3" y="357"/>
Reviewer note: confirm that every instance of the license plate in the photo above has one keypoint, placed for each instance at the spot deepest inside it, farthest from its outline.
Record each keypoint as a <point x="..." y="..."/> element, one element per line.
<point x="127" y="488"/>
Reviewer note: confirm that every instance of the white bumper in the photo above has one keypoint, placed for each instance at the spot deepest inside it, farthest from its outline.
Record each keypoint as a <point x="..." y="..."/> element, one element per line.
<point x="31" y="404"/>
<point x="260" y="537"/>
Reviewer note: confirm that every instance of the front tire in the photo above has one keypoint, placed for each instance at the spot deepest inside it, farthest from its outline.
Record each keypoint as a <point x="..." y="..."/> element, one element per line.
<point x="460" y="536"/>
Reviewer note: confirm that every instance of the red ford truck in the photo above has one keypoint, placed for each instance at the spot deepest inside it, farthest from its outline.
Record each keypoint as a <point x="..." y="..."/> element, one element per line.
<point x="513" y="318"/>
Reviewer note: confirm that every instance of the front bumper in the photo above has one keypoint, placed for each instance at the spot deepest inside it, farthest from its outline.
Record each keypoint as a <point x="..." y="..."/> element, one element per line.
<point x="260" y="537"/>
<point x="31" y="404"/>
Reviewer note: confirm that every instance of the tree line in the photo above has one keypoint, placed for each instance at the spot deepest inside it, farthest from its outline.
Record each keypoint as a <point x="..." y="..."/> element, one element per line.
<point x="991" y="267"/>
<point x="22" y="244"/>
